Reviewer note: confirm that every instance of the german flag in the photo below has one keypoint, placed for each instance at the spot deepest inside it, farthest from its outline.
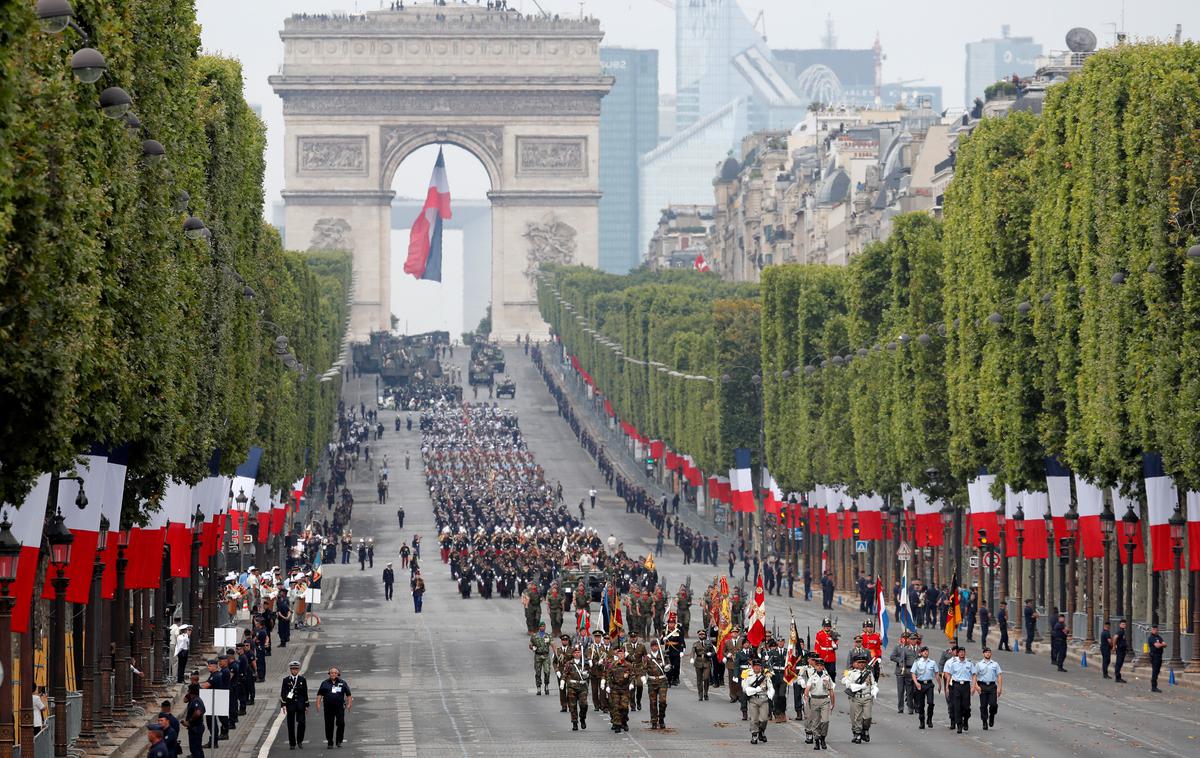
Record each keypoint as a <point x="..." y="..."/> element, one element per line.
<point x="954" y="615"/>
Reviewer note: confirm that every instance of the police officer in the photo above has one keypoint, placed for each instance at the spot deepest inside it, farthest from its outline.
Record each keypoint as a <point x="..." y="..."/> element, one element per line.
<point x="334" y="695"/>
<point x="924" y="675"/>
<point x="703" y="656"/>
<point x="989" y="679"/>
<point x="170" y="726"/>
<point x="959" y="676"/>
<point x="656" y="667"/>
<point x="1156" y="644"/>
<point x="859" y="682"/>
<point x="819" y="699"/>
<point x="193" y="720"/>
<point x="158" y="743"/>
<point x="574" y="681"/>
<point x="540" y="645"/>
<point x="1120" y="646"/>
<point x="293" y="698"/>
<point x="758" y="692"/>
<point x="218" y="679"/>
<point x="904" y="656"/>
<point x="1106" y="637"/>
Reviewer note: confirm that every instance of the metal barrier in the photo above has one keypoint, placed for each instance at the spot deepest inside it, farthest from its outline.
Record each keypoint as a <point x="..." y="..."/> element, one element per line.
<point x="43" y="741"/>
<point x="74" y="715"/>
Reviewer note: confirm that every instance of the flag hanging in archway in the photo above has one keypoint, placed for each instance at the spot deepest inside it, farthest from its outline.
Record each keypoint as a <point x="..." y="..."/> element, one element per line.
<point x="425" y="240"/>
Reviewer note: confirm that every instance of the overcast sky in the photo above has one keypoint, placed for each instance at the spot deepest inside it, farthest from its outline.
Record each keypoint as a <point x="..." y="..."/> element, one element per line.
<point x="922" y="39"/>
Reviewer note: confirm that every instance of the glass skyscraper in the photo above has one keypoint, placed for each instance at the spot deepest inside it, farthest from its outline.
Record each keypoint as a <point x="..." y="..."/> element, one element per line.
<point x="708" y="34"/>
<point x="991" y="60"/>
<point x="628" y="130"/>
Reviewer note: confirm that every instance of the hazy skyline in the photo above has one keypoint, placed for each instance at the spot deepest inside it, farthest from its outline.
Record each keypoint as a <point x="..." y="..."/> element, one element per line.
<point x="923" y="40"/>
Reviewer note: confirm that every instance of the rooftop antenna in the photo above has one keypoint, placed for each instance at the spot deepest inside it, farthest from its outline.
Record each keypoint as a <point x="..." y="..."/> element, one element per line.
<point x="829" y="41"/>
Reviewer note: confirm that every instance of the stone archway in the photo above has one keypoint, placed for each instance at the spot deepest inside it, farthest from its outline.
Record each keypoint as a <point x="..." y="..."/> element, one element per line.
<point x="360" y="93"/>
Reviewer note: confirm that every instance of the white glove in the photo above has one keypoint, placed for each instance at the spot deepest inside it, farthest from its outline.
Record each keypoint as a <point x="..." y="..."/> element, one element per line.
<point x="604" y="685"/>
<point x="643" y="680"/>
<point x="562" y="685"/>
<point x="692" y="660"/>
<point x="606" y="689"/>
<point x="668" y="668"/>
<point x="631" y="686"/>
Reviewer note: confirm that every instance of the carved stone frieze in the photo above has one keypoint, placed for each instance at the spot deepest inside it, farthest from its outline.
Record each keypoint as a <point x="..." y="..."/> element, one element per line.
<point x="345" y="155"/>
<point x="416" y="104"/>
<point x="491" y="138"/>
<point x="551" y="240"/>
<point x="552" y="155"/>
<point x="332" y="234"/>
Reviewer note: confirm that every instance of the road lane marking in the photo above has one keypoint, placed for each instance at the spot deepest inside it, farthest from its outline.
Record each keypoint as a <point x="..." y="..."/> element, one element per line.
<point x="280" y="717"/>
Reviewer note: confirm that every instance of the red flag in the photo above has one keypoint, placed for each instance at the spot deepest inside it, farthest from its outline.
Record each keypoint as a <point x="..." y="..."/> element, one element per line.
<point x="757" y="615"/>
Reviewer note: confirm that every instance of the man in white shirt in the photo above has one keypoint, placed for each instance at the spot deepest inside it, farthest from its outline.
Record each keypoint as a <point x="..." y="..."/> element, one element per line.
<point x="39" y="708"/>
<point x="592" y="496"/>
<point x="183" y="644"/>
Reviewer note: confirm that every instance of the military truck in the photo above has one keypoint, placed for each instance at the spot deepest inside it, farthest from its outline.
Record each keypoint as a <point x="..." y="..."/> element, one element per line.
<point x="506" y="388"/>
<point x="568" y="580"/>
<point x="480" y="373"/>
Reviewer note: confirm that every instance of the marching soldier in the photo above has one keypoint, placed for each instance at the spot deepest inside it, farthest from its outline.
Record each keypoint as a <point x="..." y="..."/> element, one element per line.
<point x="742" y="663"/>
<point x="655" y="677"/>
<point x="819" y="699"/>
<point x="729" y="654"/>
<point x="574" y="682"/>
<point x="635" y="656"/>
<point x="673" y="641"/>
<point x="860" y="686"/>
<point x="562" y="656"/>
<point x="703" y="655"/>
<point x="684" y="610"/>
<point x="904" y="656"/>
<point x="597" y="660"/>
<point x="758" y="692"/>
<point x="659" y="607"/>
<point x="858" y="649"/>
<point x="531" y="599"/>
<point x="776" y="665"/>
<point x="617" y="682"/>
<point x="874" y="645"/>
<point x="806" y="669"/>
<point x="540" y="645"/>
<point x="645" y="611"/>
<point x="989" y="679"/>
<point x="960" y="680"/>
<point x="825" y="644"/>
<point x="554" y="602"/>
<point x="924" y="674"/>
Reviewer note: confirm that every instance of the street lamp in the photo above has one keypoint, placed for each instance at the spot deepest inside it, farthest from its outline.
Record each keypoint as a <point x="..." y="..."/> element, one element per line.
<point x="1072" y="522"/>
<point x="947" y="514"/>
<point x="1129" y="528"/>
<point x="59" y="539"/>
<point x="1177" y="523"/>
<point x="1018" y="519"/>
<point x="1044" y="585"/>
<point x="10" y="558"/>
<point x="120" y="627"/>
<point x="986" y="549"/>
<point x="54" y="16"/>
<point x="194" y="575"/>
<point x="1108" y="522"/>
<point x="1001" y="550"/>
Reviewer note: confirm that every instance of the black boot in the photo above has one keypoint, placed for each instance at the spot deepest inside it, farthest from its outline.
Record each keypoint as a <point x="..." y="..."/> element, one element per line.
<point x="866" y="732"/>
<point x="762" y="735"/>
<point x="574" y="726"/>
<point x="824" y="745"/>
<point x="808" y="738"/>
<point x="856" y="739"/>
<point x="754" y="737"/>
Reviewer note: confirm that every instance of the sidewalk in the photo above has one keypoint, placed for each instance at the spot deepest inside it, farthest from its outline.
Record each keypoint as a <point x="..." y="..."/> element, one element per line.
<point x="614" y="442"/>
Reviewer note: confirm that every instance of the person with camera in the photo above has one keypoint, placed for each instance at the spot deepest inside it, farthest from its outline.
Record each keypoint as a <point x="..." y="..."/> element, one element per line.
<point x="293" y="699"/>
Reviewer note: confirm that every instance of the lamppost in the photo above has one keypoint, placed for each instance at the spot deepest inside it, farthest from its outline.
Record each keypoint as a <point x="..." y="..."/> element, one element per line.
<point x="947" y="514"/>
<point x="757" y="523"/>
<point x="193" y="583"/>
<point x="855" y="531"/>
<point x="1018" y="519"/>
<point x="998" y="565"/>
<point x="120" y="627"/>
<point x="1129" y="527"/>
<point x="1178" y="523"/>
<point x="241" y="501"/>
<point x="1108" y="522"/>
<point x="1072" y="519"/>
<point x="986" y="550"/>
<point x="59" y="539"/>
<point x="93" y="618"/>
<point x="10" y="556"/>
<point x="843" y="562"/>
<point x="1047" y="572"/>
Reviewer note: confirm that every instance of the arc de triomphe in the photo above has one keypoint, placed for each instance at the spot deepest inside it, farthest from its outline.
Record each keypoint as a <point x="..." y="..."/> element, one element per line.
<point x="522" y="93"/>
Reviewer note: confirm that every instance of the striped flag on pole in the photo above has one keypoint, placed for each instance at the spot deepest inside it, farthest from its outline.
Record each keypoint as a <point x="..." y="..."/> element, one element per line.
<point x="425" y="239"/>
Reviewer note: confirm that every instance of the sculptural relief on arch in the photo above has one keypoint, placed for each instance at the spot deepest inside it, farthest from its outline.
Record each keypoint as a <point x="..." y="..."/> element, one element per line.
<point x="522" y="93"/>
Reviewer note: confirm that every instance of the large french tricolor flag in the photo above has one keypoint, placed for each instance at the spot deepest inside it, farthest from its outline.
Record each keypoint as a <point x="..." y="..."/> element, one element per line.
<point x="928" y="515"/>
<point x="1091" y="503"/>
<point x="1193" y="530"/>
<point x="28" y="522"/>
<point x="84" y="524"/>
<point x="1161" y="500"/>
<point x="1058" y="488"/>
<point x="740" y="484"/>
<point x="870" y="517"/>
<point x="425" y="239"/>
<point x="983" y="508"/>
<point x="1121" y="506"/>
<point x="1035" y="505"/>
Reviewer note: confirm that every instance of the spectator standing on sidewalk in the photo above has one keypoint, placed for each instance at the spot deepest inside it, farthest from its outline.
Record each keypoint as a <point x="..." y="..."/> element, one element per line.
<point x="182" y="647"/>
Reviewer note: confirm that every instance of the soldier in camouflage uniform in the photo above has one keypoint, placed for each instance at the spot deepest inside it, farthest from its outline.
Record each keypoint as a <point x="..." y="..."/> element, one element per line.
<point x="540" y="645"/>
<point x="656" y="678"/>
<point x="683" y="614"/>
<point x="659" y="606"/>
<point x="645" y="612"/>
<point x="574" y="682"/>
<point x="635" y="656"/>
<point x="562" y="656"/>
<point x="618" y="680"/>
<point x="554" y="601"/>
<point x="704" y="655"/>
<point x="532" y="600"/>
<point x="597" y="659"/>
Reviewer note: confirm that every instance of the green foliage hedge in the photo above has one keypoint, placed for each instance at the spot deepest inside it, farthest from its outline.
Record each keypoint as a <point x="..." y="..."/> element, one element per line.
<point x="689" y="322"/>
<point x="114" y="328"/>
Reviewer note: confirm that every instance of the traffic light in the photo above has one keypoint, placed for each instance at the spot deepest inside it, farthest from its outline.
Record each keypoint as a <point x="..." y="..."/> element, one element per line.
<point x="983" y="538"/>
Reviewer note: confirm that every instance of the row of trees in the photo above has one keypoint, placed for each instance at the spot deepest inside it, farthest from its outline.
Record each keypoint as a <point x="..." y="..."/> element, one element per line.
<point x="641" y="336"/>
<point x="1054" y="312"/>
<point x="115" y="327"/>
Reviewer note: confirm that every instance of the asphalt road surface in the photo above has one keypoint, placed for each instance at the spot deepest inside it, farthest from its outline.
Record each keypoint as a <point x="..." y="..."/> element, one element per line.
<point x="457" y="679"/>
